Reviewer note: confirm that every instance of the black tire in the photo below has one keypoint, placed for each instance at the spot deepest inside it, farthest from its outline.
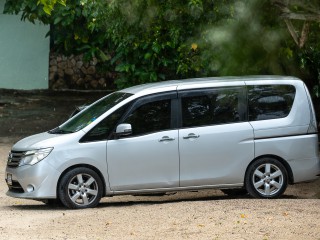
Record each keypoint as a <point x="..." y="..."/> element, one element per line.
<point x="266" y="178"/>
<point x="235" y="192"/>
<point x="80" y="188"/>
<point x="53" y="202"/>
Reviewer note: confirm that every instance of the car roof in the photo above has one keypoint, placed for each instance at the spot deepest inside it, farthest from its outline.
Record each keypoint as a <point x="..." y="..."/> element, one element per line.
<point x="189" y="82"/>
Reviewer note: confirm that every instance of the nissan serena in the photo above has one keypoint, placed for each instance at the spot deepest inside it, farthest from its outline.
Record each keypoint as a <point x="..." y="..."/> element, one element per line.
<point x="256" y="133"/>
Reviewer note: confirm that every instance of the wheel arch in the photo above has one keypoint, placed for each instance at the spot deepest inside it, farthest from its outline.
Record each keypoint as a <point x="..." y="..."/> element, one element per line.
<point x="86" y="166"/>
<point x="281" y="160"/>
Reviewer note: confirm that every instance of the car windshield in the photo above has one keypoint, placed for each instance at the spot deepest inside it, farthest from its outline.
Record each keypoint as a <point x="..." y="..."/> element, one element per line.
<point x="91" y="113"/>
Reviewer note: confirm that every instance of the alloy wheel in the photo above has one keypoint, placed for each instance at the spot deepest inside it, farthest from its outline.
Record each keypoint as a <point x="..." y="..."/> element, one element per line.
<point x="268" y="179"/>
<point x="83" y="189"/>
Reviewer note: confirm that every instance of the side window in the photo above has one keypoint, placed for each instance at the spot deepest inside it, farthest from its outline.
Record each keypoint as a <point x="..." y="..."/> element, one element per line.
<point x="103" y="129"/>
<point x="150" y="117"/>
<point x="216" y="106"/>
<point x="196" y="111"/>
<point x="270" y="101"/>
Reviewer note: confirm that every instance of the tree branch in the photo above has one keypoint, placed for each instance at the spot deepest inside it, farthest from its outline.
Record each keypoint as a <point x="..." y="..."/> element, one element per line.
<point x="292" y="31"/>
<point x="312" y="8"/>
<point x="301" y="16"/>
<point x="304" y="34"/>
<point x="310" y="13"/>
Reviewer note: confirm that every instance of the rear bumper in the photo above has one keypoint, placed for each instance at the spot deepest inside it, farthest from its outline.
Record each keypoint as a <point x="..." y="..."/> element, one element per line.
<point x="305" y="170"/>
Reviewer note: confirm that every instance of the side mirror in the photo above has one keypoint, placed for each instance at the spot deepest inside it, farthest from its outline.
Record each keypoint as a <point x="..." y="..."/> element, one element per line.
<point x="123" y="129"/>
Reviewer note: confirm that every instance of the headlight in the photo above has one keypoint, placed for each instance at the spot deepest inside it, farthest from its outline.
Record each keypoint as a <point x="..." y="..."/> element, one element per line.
<point x="34" y="156"/>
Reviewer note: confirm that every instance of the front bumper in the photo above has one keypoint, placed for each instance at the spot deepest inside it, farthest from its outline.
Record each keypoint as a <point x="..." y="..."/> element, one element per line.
<point x="34" y="182"/>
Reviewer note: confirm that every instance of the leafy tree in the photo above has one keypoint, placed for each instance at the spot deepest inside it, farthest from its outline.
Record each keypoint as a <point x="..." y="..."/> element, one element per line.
<point x="71" y="23"/>
<point x="250" y="42"/>
<point x="33" y="10"/>
<point x="302" y="19"/>
<point x="157" y="40"/>
<point x="142" y="40"/>
<point x="153" y="40"/>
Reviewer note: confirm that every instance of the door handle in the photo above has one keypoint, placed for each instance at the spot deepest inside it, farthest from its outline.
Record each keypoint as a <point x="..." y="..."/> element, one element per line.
<point x="191" y="135"/>
<point x="166" y="139"/>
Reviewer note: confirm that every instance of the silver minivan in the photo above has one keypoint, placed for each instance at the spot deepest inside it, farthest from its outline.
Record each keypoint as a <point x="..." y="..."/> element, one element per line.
<point x="255" y="134"/>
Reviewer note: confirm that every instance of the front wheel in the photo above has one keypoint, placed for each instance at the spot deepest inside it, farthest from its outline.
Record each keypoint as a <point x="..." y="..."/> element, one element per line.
<point x="266" y="178"/>
<point x="80" y="188"/>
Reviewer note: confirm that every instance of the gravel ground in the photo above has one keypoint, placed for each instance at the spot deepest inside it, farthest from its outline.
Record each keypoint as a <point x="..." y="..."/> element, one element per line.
<point x="185" y="215"/>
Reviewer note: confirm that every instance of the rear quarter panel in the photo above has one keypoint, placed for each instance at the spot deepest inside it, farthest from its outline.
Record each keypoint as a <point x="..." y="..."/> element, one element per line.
<point x="287" y="137"/>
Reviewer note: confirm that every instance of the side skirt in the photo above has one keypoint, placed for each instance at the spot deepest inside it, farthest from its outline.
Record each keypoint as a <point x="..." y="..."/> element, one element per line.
<point x="176" y="189"/>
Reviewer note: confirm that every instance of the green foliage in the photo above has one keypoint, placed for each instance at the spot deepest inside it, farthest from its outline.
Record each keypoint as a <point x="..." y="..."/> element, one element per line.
<point x="48" y="5"/>
<point x="73" y="30"/>
<point x="142" y="40"/>
<point x="310" y="62"/>
<point x="72" y="24"/>
<point x="33" y="10"/>
<point x="248" y="43"/>
<point x="154" y="40"/>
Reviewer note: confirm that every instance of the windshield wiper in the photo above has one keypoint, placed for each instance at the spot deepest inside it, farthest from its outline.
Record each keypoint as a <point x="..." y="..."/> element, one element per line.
<point x="58" y="130"/>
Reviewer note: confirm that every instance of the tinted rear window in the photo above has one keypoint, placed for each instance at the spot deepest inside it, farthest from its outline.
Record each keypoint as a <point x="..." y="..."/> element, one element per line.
<point x="270" y="101"/>
<point x="209" y="107"/>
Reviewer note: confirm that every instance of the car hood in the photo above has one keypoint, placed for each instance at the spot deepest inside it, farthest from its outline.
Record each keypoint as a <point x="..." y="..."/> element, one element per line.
<point x="42" y="140"/>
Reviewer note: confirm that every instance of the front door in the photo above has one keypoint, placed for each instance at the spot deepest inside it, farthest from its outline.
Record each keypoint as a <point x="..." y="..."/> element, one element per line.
<point x="148" y="158"/>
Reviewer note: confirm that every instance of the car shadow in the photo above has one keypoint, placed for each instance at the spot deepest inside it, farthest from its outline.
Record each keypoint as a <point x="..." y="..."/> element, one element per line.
<point x="148" y="200"/>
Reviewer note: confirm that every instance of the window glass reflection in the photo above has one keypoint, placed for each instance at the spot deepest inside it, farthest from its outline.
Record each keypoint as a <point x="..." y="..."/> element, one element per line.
<point x="217" y="106"/>
<point x="150" y="117"/>
<point x="270" y="101"/>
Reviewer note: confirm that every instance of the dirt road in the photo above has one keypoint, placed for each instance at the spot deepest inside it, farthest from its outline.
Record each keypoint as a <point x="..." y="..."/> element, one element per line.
<point x="187" y="215"/>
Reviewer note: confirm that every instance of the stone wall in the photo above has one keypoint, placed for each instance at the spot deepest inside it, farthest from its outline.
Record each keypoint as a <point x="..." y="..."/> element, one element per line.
<point x="73" y="72"/>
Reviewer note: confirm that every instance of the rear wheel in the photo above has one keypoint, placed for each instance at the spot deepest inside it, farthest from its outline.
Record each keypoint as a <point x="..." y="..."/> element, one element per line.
<point x="266" y="178"/>
<point x="80" y="188"/>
